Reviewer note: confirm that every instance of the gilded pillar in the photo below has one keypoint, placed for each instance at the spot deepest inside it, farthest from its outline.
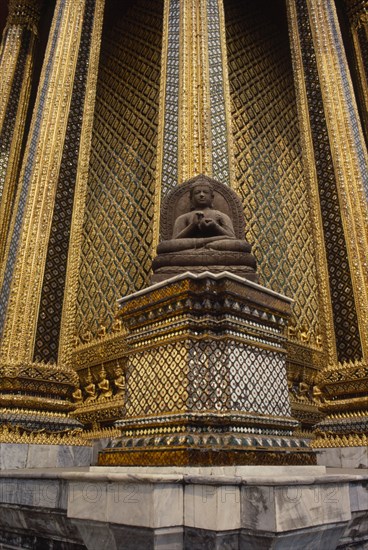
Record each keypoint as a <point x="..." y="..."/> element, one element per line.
<point x="336" y="159"/>
<point x="16" y="64"/>
<point x="271" y="178"/>
<point x="315" y="162"/>
<point x="357" y="11"/>
<point x="195" y="131"/>
<point x="349" y="155"/>
<point x="47" y="215"/>
<point x="345" y="385"/>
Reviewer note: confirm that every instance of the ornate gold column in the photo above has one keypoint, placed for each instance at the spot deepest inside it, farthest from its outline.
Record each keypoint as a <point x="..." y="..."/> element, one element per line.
<point x="348" y="150"/>
<point x="345" y="385"/>
<point x="336" y="162"/>
<point x="302" y="352"/>
<point x="16" y="64"/>
<point x="357" y="11"/>
<point x="336" y="157"/>
<point x="194" y="108"/>
<point x="81" y="165"/>
<point x="204" y="145"/>
<point x="309" y="160"/>
<point x="195" y="132"/>
<point x="52" y="181"/>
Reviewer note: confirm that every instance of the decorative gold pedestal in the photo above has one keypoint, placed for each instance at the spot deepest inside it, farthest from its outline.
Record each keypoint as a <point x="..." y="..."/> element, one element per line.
<point x="187" y="456"/>
<point x="346" y="406"/>
<point x="206" y="376"/>
<point x="36" y="397"/>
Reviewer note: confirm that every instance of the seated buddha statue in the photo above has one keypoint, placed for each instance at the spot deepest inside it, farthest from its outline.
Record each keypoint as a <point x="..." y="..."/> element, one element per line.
<point x="77" y="395"/>
<point x="203" y="238"/>
<point x="104" y="385"/>
<point x="90" y="389"/>
<point x="119" y="382"/>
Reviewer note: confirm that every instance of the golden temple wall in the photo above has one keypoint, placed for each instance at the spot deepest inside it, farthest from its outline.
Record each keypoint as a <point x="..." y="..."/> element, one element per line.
<point x="269" y="173"/>
<point x="119" y="211"/>
<point x="257" y="94"/>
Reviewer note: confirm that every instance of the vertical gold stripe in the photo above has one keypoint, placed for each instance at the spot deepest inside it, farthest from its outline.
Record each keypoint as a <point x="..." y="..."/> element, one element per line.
<point x="161" y="128"/>
<point x="194" y="109"/>
<point x="327" y="328"/>
<point x="194" y="101"/>
<point x="196" y="92"/>
<point x="74" y="253"/>
<point x="205" y="138"/>
<point x="183" y="94"/>
<point x="225" y="72"/>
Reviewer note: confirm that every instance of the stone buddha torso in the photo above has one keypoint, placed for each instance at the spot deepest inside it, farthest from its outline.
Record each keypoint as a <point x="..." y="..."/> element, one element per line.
<point x="202" y="229"/>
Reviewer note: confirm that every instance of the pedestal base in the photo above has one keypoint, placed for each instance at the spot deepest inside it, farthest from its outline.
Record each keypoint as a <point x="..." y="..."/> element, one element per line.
<point x="18" y="455"/>
<point x="204" y="457"/>
<point x="238" y="508"/>
<point x="166" y="273"/>
<point x="343" y="457"/>
<point x="207" y="439"/>
<point x="206" y="376"/>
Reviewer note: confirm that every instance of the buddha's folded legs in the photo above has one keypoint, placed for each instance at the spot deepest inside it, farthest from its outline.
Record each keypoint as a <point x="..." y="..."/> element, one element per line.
<point x="178" y="245"/>
<point x="230" y="245"/>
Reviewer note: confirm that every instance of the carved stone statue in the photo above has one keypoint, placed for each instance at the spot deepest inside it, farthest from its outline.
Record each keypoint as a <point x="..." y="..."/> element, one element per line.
<point x="202" y="229"/>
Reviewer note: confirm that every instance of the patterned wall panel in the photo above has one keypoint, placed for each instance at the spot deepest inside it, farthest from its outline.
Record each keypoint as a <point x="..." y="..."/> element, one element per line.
<point x="49" y="319"/>
<point x="267" y="149"/>
<point x="117" y="235"/>
<point x="344" y="312"/>
<point x="206" y="375"/>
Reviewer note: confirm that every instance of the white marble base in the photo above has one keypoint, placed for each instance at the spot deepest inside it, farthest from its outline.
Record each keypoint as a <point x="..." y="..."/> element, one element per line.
<point x="343" y="457"/>
<point x="239" y="508"/>
<point x="14" y="455"/>
<point x="242" y="472"/>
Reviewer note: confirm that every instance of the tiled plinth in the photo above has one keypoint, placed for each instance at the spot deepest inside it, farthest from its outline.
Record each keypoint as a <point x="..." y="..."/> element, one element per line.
<point x="206" y="380"/>
<point x="184" y="508"/>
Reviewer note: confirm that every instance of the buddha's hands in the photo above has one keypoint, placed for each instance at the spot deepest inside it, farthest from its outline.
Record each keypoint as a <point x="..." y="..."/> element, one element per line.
<point x="207" y="224"/>
<point x="197" y="218"/>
